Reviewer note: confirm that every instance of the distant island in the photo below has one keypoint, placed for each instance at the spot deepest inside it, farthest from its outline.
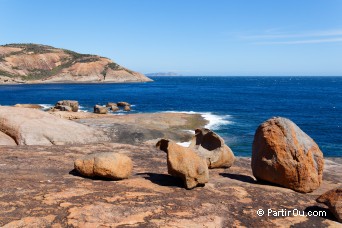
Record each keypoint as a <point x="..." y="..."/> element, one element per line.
<point x="35" y="63"/>
<point x="163" y="74"/>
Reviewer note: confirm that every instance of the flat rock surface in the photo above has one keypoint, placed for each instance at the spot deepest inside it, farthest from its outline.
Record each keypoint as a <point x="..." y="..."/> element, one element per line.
<point x="39" y="188"/>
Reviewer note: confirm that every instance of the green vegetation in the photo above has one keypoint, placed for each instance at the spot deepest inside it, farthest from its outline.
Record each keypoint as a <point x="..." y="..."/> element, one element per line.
<point x="114" y="66"/>
<point x="5" y="73"/>
<point x="35" y="48"/>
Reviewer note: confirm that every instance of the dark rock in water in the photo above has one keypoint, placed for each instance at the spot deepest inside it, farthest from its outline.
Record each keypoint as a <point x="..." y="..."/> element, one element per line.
<point x="107" y="165"/>
<point x="211" y="146"/>
<point x="123" y="104"/>
<point x="283" y="154"/>
<point x="333" y="199"/>
<point x="72" y="104"/>
<point x="184" y="163"/>
<point x="100" y="109"/>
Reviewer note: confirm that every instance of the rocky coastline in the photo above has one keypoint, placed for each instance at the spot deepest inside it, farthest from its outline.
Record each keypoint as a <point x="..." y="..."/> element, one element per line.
<point x="41" y="188"/>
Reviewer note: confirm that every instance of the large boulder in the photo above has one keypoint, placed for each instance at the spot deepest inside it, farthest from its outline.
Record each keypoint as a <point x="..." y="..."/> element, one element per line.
<point x="107" y="165"/>
<point x="211" y="146"/>
<point x="283" y="154"/>
<point x="72" y="104"/>
<point x="184" y="163"/>
<point x="100" y="109"/>
<point x="333" y="199"/>
<point x="35" y="127"/>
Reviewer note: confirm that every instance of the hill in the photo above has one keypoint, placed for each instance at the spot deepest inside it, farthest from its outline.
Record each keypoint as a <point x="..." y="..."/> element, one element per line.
<point x="35" y="63"/>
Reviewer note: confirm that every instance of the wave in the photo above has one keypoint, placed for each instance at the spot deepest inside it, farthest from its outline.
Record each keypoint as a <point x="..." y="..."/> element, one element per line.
<point x="214" y="121"/>
<point x="184" y="144"/>
<point x="46" y="106"/>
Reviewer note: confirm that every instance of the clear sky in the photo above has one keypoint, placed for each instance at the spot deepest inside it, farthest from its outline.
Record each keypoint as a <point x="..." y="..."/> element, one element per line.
<point x="190" y="37"/>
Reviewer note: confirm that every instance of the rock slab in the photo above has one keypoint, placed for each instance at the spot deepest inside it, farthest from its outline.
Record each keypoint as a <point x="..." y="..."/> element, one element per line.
<point x="333" y="199"/>
<point x="283" y="154"/>
<point x="212" y="147"/>
<point x="184" y="163"/>
<point x="34" y="127"/>
<point x="107" y="165"/>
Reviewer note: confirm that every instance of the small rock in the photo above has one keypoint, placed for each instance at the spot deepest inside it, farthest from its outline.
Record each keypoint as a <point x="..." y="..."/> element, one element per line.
<point x="63" y="108"/>
<point x="114" y="108"/>
<point x="211" y="146"/>
<point x="333" y="199"/>
<point x="184" y="163"/>
<point x="127" y="108"/>
<point x="107" y="164"/>
<point x="100" y="109"/>
<point x="72" y="104"/>
<point x="123" y="104"/>
<point x="110" y="104"/>
<point x="283" y="154"/>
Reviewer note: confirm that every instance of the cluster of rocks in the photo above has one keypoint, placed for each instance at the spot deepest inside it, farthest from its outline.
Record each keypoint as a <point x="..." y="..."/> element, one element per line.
<point x="206" y="151"/>
<point x="67" y="105"/>
<point x="112" y="107"/>
<point x="282" y="154"/>
<point x="73" y="106"/>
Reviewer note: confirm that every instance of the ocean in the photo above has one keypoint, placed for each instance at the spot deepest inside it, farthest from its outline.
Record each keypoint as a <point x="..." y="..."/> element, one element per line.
<point x="234" y="106"/>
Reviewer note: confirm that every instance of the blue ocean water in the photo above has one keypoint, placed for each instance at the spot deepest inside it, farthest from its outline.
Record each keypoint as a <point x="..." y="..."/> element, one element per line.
<point x="235" y="105"/>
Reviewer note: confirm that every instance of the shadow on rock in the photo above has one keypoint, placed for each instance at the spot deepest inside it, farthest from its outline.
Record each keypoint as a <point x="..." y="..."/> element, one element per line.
<point x="75" y="173"/>
<point x="163" y="179"/>
<point x="322" y="212"/>
<point x="240" y="177"/>
<point x="249" y="179"/>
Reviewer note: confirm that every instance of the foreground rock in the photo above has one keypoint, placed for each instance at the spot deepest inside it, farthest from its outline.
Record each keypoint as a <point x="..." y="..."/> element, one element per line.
<point x="35" y="127"/>
<point x="98" y="109"/>
<point x="67" y="105"/>
<point x="34" y="106"/>
<point x="333" y="199"/>
<point x="283" y="154"/>
<point x="107" y="165"/>
<point x="211" y="146"/>
<point x="38" y="189"/>
<point x="184" y="163"/>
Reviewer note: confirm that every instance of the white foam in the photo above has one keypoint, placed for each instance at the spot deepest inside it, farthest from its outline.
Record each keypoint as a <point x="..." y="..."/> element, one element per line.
<point x="46" y="106"/>
<point x="185" y="144"/>
<point x="214" y="121"/>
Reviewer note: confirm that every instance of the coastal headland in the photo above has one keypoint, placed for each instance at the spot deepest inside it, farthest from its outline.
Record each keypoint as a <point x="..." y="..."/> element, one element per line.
<point x="40" y="187"/>
<point x="36" y="63"/>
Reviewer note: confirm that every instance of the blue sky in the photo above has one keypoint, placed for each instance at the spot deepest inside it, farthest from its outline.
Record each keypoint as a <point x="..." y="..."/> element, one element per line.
<point x="190" y="37"/>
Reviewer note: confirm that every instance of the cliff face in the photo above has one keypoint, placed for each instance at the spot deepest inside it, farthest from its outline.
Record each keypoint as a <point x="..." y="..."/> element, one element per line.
<point x="33" y="63"/>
